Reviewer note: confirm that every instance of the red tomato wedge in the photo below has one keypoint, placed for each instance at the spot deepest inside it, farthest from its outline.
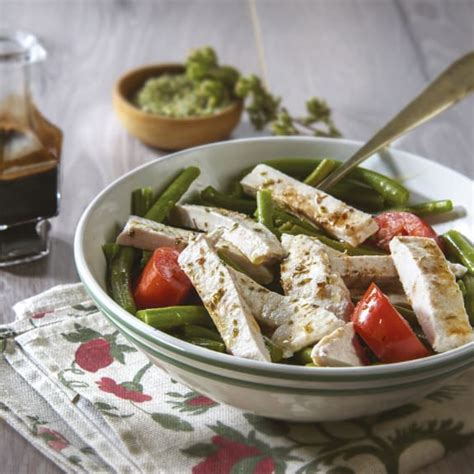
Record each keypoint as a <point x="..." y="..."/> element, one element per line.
<point x="162" y="282"/>
<point x="384" y="330"/>
<point x="396" y="223"/>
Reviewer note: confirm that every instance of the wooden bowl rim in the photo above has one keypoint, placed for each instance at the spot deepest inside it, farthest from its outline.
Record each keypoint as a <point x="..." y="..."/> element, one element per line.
<point x="235" y="106"/>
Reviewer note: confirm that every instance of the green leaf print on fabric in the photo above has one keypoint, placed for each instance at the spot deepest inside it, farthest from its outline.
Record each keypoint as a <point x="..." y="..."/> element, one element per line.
<point x="267" y="426"/>
<point x="172" y="422"/>
<point x="110" y="410"/>
<point x="191" y="402"/>
<point x="446" y="393"/>
<point x="87" y="450"/>
<point x="74" y="460"/>
<point x="81" y="334"/>
<point x="447" y="432"/>
<point x="64" y="378"/>
<point x="91" y="308"/>
<point x="117" y="352"/>
<point x="251" y="464"/>
<point x="5" y="334"/>
<point x="397" y="413"/>
<point x="200" y="450"/>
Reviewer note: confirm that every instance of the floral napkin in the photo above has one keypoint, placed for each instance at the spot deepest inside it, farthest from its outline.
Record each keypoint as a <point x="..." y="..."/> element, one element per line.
<point x="89" y="401"/>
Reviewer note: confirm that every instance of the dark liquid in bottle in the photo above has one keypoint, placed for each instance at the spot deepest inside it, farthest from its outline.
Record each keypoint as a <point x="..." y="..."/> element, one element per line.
<point x="28" y="176"/>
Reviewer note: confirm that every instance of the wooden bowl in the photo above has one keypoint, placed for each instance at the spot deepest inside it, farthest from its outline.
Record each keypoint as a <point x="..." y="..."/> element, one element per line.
<point x="166" y="132"/>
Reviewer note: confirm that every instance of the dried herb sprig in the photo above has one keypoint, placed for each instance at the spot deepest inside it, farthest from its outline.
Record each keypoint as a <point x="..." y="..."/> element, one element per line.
<point x="264" y="108"/>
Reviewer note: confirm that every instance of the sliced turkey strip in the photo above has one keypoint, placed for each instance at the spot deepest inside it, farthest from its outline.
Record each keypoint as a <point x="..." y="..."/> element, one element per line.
<point x="252" y="239"/>
<point x="148" y="235"/>
<point x="431" y="287"/>
<point x="307" y="273"/>
<point x="336" y="217"/>
<point x="217" y="286"/>
<point x="338" y="349"/>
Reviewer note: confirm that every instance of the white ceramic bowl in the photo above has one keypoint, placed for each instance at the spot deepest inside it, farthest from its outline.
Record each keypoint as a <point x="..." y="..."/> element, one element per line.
<point x="272" y="390"/>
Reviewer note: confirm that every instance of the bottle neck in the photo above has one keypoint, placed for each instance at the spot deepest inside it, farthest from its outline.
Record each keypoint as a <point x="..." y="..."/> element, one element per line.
<point x="15" y="98"/>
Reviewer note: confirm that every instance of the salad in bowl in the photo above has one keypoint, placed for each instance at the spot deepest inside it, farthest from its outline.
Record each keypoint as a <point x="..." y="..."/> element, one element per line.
<point x="275" y="270"/>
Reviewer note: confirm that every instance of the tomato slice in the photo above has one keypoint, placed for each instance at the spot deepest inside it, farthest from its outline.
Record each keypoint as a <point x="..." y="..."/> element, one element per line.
<point x="384" y="330"/>
<point x="395" y="223"/>
<point x="162" y="282"/>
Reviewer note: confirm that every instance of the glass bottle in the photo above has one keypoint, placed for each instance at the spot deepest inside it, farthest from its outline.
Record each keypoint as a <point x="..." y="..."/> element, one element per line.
<point x="30" y="148"/>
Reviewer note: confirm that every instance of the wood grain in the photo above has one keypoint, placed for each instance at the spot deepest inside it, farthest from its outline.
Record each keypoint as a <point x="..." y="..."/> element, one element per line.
<point x="366" y="57"/>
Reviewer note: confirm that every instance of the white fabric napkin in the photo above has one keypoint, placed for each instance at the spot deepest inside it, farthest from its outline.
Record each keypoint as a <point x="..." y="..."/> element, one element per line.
<point x="89" y="401"/>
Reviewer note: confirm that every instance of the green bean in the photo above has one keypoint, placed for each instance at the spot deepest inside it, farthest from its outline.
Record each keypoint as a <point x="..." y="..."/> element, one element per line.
<point x="407" y="313"/>
<point x="392" y="191"/>
<point x="146" y="255"/>
<point x="175" y="316"/>
<point x="171" y="195"/>
<point x="311" y="364"/>
<point x="265" y="210"/>
<point x="218" y="199"/>
<point x="357" y="195"/>
<point x="335" y="244"/>
<point x="428" y="208"/>
<point x="462" y="287"/>
<point x="350" y="191"/>
<point x="323" y="169"/>
<point x="285" y="228"/>
<point x="276" y="352"/>
<point x="460" y="248"/>
<point x="142" y="200"/>
<point x="468" y="281"/>
<point x="283" y="217"/>
<point x="296" y="167"/>
<point x="236" y="189"/>
<point x="296" y="229"/>
<point x="199" y="331"/>
<point x="199" y="201"/>
<point x="110" y="251"/>
<point x="207" y="343"/>
<point x="121" y="280"/>
<point x="303" y="356"/>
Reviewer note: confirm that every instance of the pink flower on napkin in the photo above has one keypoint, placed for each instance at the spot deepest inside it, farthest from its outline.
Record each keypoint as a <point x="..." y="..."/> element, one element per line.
<point x="93" y="355"/>
<point x="53" y="439"/>
<point x="126" y="390"/>
<point x="228" y="453"/>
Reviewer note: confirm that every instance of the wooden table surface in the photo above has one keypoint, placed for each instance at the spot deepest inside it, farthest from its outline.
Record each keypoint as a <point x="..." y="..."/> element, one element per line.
<point x="366" y="57"/>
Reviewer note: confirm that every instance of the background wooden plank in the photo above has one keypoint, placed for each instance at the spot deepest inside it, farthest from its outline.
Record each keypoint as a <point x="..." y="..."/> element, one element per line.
<point x="366" y="57"/>
<point x="442" y="31"/>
